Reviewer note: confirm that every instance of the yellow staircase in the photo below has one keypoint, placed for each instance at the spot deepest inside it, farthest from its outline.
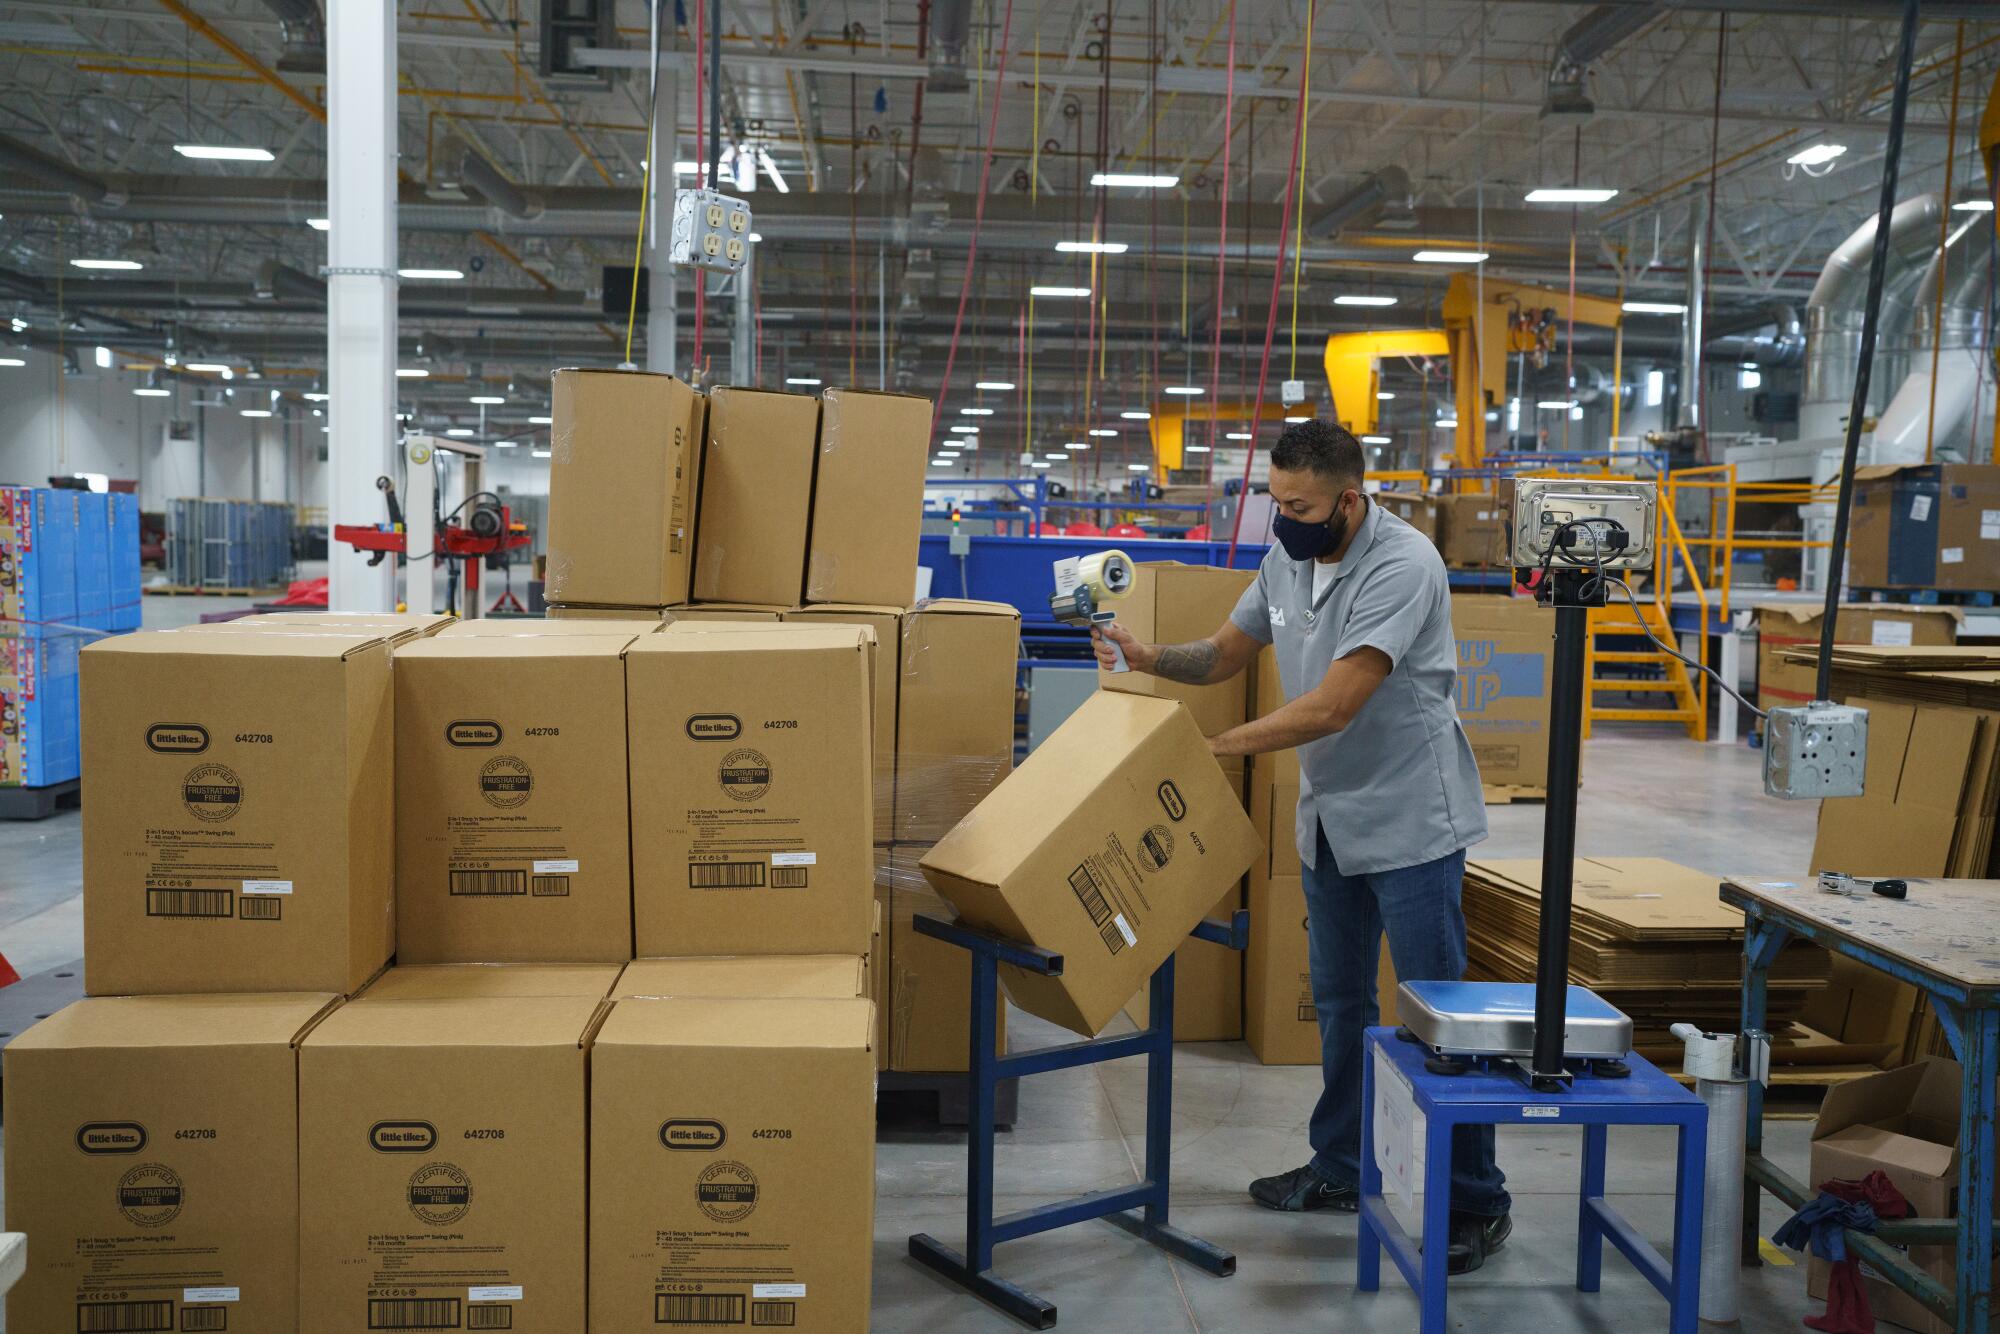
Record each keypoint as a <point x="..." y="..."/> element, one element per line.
<point x="1639" y="671"/>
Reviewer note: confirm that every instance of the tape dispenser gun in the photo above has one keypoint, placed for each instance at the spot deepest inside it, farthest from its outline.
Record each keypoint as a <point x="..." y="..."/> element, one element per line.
<point x="1084" y="584"/>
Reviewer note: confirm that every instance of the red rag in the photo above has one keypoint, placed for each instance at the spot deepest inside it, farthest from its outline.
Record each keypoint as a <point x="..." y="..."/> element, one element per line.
<point x="1847" y="1309"/>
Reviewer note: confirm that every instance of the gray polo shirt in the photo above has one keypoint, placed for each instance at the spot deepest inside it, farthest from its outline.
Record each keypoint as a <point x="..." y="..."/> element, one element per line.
<point x="1398" y="786"/>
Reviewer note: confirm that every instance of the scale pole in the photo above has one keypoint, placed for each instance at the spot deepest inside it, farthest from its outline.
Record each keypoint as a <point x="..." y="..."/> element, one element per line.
<point x="1559" y="831"/>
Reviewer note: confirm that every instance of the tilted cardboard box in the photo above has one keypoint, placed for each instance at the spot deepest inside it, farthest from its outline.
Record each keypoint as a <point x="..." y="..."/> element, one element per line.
<point x="153" y="1162"/>
<point x="751" y="808"/>
<point x="512" y="838"/>
<point x="886" y="622"/>
<point x="624" y="474"/>
<point x="441" y="1165"/>
<point x="1172" y="603"/>
<point x="241" y="792"/>
<point x="1106" y="846"/>
<point x="732" y="1164"/>
<point x="954" y="712"/>
<point x="1208" y="985"/>
<point x="756" y="497"/>
<point x="868" y="497"/>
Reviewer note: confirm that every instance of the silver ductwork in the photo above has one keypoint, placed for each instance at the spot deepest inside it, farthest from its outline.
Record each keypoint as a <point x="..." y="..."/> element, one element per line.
<point x="282" y="282"/>
<point x="1581" y="45"/>
<point x="36" y="165"/>
<point x="1380" y="193"/>
<point x="1945" y="387"/>
<point x="302" y="30"/>
<point x="950" y="25"/>
<point x="1834" y="313"/>
<point x="485" y="183"/>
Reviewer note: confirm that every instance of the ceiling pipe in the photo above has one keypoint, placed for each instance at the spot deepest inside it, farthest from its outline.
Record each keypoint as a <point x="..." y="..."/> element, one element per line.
<point x="950" y="24"/>
<point x="282" y="282"/>
<point x="1585" y="42"/>
<point x="39" y="166"/>
<point x="1384" y="193"/>
<point x="482" y="181"/>
<point x="302" y="30"/>
<point x="1834" y="315"/>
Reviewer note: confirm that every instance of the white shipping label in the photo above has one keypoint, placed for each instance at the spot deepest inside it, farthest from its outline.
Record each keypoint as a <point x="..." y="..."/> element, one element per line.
<point x="267" y="886"/>
<point x="1920" y="508"/>
<point x="1952" y="555"/>
<point x="1989" y="532"/>
<point x="1124" y="930"/>
<point x="763" y="1290"/>
<point x="1891" y="632"/>
<point x="795" y="859"/>
<point x="189" y="1295"/>
<point x="1395" y="1114"/>
<point x="1990" y="516"/>
<point x="1484" y="515"/>
<point x="1068" y="575"/>
<point x="495" y="1293"/>
<point x="1536" y="1112"/>
<point x="560" y="866"/>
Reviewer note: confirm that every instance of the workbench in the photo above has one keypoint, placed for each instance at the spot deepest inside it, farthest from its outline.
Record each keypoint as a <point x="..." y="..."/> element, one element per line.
<point x="1945" y="939"/>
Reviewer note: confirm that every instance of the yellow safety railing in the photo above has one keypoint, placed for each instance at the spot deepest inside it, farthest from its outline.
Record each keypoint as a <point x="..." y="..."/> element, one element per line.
<point x="1725" y="495"/>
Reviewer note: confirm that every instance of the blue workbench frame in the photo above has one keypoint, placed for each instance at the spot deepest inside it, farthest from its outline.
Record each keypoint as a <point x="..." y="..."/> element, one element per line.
<point x="1970" y="1018"/>
<point x="1497" y="1096"/>
<point x="972" y="1270"/>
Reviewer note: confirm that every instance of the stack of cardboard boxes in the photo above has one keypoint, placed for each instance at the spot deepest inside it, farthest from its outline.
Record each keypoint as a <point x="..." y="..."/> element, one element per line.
<point x="1470" y="529"/>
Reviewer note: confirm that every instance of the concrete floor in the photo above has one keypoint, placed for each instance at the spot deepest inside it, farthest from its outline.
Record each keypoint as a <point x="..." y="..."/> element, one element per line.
<point x="1082" y="1130"/>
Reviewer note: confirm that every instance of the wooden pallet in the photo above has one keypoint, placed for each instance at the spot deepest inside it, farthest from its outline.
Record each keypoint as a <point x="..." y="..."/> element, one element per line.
<point x="217" y="591"/>
<point x="1501" y="795"/>
<point x="39" y="803"/>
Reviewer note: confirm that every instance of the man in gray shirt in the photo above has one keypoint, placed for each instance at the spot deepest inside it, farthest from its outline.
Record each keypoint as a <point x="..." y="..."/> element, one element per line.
<point x="1355" y="605"/>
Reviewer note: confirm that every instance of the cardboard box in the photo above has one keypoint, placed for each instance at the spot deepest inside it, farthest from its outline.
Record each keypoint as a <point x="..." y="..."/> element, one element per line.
<point x="396" y="626"/>
<point x="1420" y="512"/>
<point x="538" y="627"/>
<point x="1267" y="694"/>
<point x="441" y="1165"/>
<point x="930" y="993"/>
<point x="1913" y="780"/>
<point x="1785" y="625"/>
<point x="1280" y="1021"/>
<point x="954" y="712"/>
<point x="466" y="981"/>
<point x="1274" y="812"/>
<point x="752" y="818"/>
<point x="153" y="1163"/>
<point x="1904" y="1124"/>
<point x="590" y="611"/>
<point x="1506" y="659"/>
<point x="732" y="1164"/>
<point x="240" y="798"/>
<point x="1925" y="525"/>
<point x="1472" y="530"/>
<point x="835" y="976"/>
<point x="868" y="497"/>
<point x="756" y="497"/>
<point x="1171" y="603"/>
<point x="1106" y="846"/>
<point x="886" y="622"/>
<point x="729" y="611"/>
<point x="624" y="474"/>
<point x="1208" y="986"/>
<point x="880" y="969"/>
<point x="512" y="839"/>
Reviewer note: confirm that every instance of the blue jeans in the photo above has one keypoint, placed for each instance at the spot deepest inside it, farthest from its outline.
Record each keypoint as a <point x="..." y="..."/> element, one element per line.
<point x="1345" y="918"/>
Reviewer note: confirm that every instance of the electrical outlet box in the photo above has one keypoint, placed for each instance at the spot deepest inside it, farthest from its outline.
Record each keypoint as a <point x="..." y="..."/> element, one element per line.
<point x="1601" y="510"/>
<point x="960" y="543"/>
<point x="711" y="230"/>
<point x="1815" y="750"/>
<point x="1292" y="393"/>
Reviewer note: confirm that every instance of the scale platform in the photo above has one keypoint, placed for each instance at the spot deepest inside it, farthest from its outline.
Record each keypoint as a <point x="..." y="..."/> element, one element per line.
<point x="1498" y="1019"/>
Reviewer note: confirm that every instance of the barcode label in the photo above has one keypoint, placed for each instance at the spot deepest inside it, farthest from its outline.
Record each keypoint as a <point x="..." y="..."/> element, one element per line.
<point x="205" y="1319"/>
<point x="1084" y="882"/>
<point x="480" y="883"/>
<point x="548" y="886"/>
<point x="489" y="1317"/>
<point x="697" y="1308"/>
<point x="1308" y="1014"/>
<point x="123" y="1317"/>
<point x="725" y="875"/>
<point x="784" y="1314"/>
<point x="413" y="1313"/>
<point x="788" y="877"/>
<point x="261" y="909"/>
<point x="190" y="903"/>
<point x="1113" y="939"/>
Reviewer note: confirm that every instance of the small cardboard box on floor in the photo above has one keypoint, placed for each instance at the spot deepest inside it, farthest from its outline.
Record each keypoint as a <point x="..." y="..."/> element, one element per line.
<point x="732" y="1164"/>
<point x="1785" y="625"/>
<point x="624" y="474"/>
<point x="512" y="840"/>
<point x="756" y="497"/>
<point x="153" y="1163"/>
<point x="1904" y="1124"/>
<point x="1107" y="845"/>
<point x="954" y="712"/>
<point x="240" y="797"/>
<point x="441" y="1165"/>
<point x="1506" y="656"/>
<point x="750" y="779"/>
<point x="868" y="497"/>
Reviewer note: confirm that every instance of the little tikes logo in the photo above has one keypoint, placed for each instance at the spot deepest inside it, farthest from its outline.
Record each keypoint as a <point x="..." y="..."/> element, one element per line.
<point x="1487" y="676"/>
<point x="402" y="1136"/>
<point x="177" y="738"/>
<point x="714" y="727"/>
<point x="472" y="732"/>
<point x="693" y="1135"/>
<point x="111" y="1137"/>
<point x="1172" y="801"/>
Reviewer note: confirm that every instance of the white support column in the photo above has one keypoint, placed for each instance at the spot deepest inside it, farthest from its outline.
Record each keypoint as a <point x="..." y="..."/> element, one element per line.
<point x="360" y="288"/>
<point x="663" y="289"/>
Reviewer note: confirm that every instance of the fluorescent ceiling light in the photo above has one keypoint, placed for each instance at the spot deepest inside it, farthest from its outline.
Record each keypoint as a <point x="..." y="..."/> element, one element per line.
<point x="509" y="444"/>
<point x="1059" y="458"/>
<point x="12" y="361"/>
<point x="124" y="265"/>
<point x="1363" y="299"/>
<point x="1102" y="430"/>
<point x="1058" y="291"/>
<point x="1449" y="256"/>
<point x="1816" y="155"/>
<point x="1569" y="194"/>
<point x="460" y="433"/>
<point x="254" y="412"/>
<point x="1239" y="435"/>
<point x="690" y="169"/>
<point x="995" y="385"/>
<point x="1138" y="467"/>
<point x="319" y="224"/>
<point x="491" y="400"/>
<point x="1555" y="405"/>
<point x="1448" y="423"/>
<point x="1092" y="247"/>
<point x="975" y="412"/>
<point x="1194" y="449"/>
<point x="964" y="428"/>
<point x="102" y="357"/>
<point x="802" y="379"/>
<point x="151" y="391"/>
<point x="412" y="373"/>
<point x="1296" y="420"/>
<point x="1974" y="206"/>
<point x="541" y="421"/>
<point x="224" y="153"/>
<point x="771" y="170"/>
<point x="756" y="237"/>
<point x="1384" y="395"/>
<point x="951" y="463"/>
<point x="1136" y="416"/>
<point x="313" y="398"/>
<point x="1040" y="464"/>
<point x="1116" y="179"/>
<point x="208" y="367"/>
<point x="1654" y="308"/>
<point x="539" y="453"/>
<point x="1184" y="390"/>
<point x="1374" y="439"/>
<point x="442" y="275"/>
<point x="1077" y="444"/>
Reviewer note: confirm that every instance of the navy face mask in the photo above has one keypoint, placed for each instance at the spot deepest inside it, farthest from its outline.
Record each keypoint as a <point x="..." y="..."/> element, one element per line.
<point x="1309" y="541"/>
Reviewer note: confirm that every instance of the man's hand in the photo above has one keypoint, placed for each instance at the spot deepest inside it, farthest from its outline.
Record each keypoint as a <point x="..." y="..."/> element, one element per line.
<point x="1139" y="657"/>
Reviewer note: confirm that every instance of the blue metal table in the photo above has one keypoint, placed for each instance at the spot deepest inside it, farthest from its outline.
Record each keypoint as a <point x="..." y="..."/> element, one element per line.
<point x="1945" y="940"/>
<point x="1500" y="1095"/>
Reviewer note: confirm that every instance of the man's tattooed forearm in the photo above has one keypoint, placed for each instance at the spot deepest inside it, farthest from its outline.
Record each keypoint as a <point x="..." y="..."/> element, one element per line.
<point x="1189" y="664"/>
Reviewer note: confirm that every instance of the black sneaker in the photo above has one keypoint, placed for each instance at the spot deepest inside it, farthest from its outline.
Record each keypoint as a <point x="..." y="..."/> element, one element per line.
<point x="1473" y="1238"/>
<point x="1303" y="1191"/>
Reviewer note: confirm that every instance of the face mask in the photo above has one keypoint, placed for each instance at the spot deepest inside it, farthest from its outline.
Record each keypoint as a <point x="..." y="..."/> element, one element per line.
<point x="1309" y="541"/>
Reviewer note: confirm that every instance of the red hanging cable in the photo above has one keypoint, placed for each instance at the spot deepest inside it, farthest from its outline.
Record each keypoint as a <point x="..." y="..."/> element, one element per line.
<point x="700" y="157"/>
<point x="978" y="219"/>
<point x="1270" y="319"/>
<point x="1221" y="267"/>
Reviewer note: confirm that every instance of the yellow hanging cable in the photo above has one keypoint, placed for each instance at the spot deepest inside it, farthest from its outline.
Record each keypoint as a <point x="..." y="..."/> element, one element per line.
<point x="639" y="240"/>
<point x="1299" y="227"/>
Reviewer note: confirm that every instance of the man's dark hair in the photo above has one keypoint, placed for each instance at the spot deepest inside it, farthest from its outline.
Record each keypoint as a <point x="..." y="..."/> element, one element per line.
<point x="1321" y="447"/>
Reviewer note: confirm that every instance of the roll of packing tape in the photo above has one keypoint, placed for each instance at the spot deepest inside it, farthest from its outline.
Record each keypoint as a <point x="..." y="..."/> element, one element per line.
<point x="1108" y="575"/>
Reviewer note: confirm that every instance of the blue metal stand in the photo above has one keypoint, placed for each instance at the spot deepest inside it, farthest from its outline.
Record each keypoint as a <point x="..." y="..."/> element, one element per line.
<point x="973" y="1269"/>
<point x="1495" y="1096"/>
